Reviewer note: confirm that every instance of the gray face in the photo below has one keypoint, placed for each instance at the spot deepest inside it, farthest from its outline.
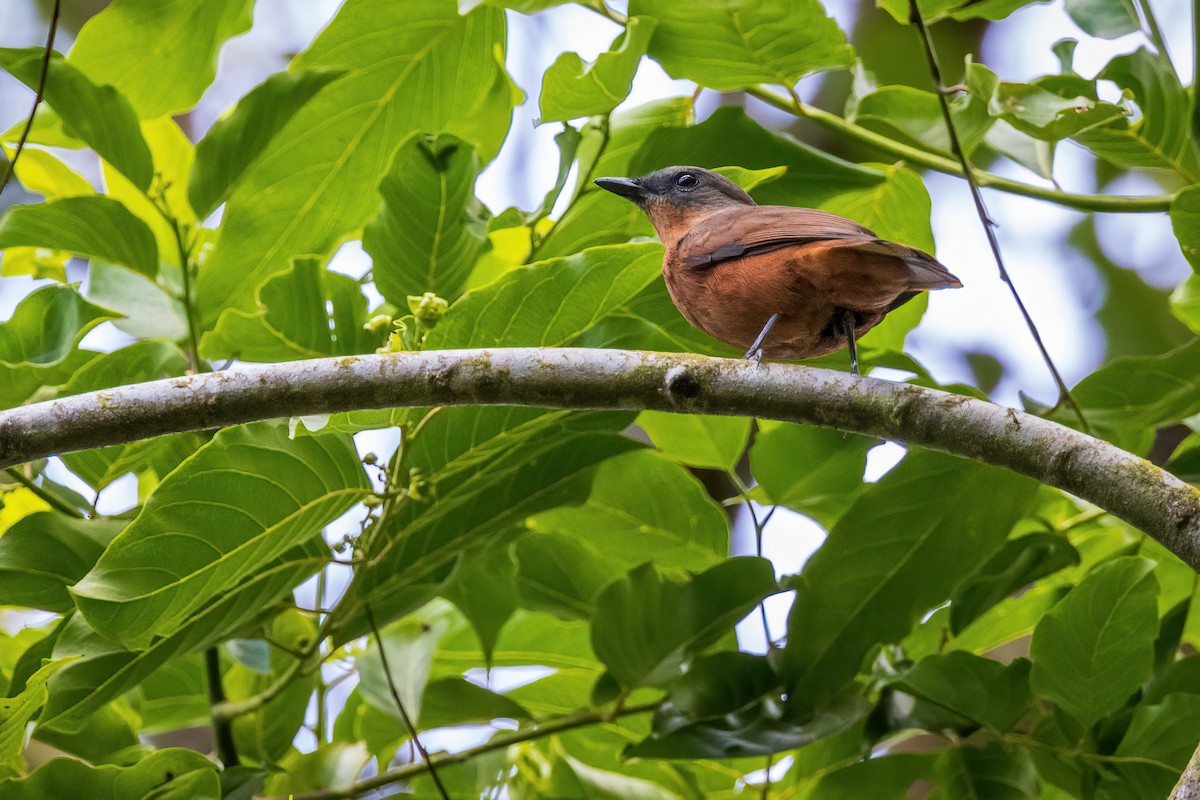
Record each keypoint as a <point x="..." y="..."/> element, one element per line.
<point x="683" y="187"/>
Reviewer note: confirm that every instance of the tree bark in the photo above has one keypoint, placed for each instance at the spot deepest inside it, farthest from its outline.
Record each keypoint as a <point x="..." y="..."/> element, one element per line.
<point x="1125" y="485"/>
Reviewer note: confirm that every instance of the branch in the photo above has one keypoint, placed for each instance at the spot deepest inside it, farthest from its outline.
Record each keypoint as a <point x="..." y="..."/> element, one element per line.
<point x="1188" y="787"/>
<point x="1082" y="202"/>
<point x="1121" y="483"/>
<point x="985" y="219"/>
<point x="38" y="95"/>
<point x="583" y="719"/>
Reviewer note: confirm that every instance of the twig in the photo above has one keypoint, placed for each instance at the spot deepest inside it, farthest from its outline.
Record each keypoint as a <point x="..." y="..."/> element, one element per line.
<point x="222" y="727"/>
<point x="583" y="719"/>
<point x="1188" y="787"/>
<point x="1125" y="485"/>
<point x="915" y="155"/>
<point x="987" y="222"/>
<point x="408" y="723"/>
<point x="57" y="503"/>
<point x="759" y="527"/>
<point x="37" y="97"/>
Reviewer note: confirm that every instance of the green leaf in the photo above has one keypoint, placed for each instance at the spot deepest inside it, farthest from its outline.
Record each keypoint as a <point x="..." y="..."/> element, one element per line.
<point x="244" y="499"/>
<point x="1185" y="220"/>
<point x="1108" y="19"/>
<point x="698" y="441"/>
<point x="1161" y="136"/>
<point x="552" y="302"/>
<point x="266" y="735"/>
<point x="640" y="507"/>
<point x="306" y="311"/>
<point x="484" y="588"/>
<point x="234" y="142"/>
<point x="409" y="68"/>
<point x="982" y="690"/>
<point x="90" y="226"/>
<point x="816" y="471"/>
<point x="647" y="627"/>
<point x="98" y="115"/>
<point x="162" y="55"/>
<point x="1009" y="620"/>
<point x="44" y="553"/>
<point x="1158" y="734"/>
<point x="15" y="715"/>
<point x="409" y="645"/>
<point x="1014" y="566"/>
<point x="1128" y="398"/>
<point x="37" y="343"/>
<point x="915" y="117"/>
<point x="559" y="575"/>
<point x="173" y="696"/>
<point x="727" y="47"/>
<point x="148" y="310"/>
<point x="995" y="772"/>
<point x="431" y="229"/>
<point x="455" y="701"/>
<point x="139" y="362"/>
<point x="1049" y="112"/>
<point x="110" y="734"/>
<point x="890" y="775"/>
<point x="105" y="670"/>
<point x="330" y="767"/>
<point x="897" y="553"/>
<point x="1093" y="650"/>
<point x="727" y="705"/>
<point x="573" y="89"/>
<point x="171" y="774"/>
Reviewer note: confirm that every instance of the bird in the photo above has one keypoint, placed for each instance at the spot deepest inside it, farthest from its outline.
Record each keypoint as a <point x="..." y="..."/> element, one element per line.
<point x="781" y="282"/>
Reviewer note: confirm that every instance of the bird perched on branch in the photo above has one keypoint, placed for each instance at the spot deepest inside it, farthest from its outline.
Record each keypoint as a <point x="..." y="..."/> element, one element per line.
<point x="783" y="282"/>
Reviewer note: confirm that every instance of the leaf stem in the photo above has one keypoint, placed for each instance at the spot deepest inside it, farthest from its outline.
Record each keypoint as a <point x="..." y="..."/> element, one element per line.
<point x="1080" y="202"/>
<point x="408" y="723"/>
<point x="57" y="503"/>
<point x="1154" y="33"/>
<point x="222" y="727"/>
<point x="189" y="309"/>
<point x="582" y="719"/>
<point x="985" y="219"/>
<point x="38" y="95"/>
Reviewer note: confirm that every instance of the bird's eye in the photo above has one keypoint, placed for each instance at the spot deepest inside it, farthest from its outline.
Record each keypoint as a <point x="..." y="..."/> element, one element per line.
<point x="687" y="180"/>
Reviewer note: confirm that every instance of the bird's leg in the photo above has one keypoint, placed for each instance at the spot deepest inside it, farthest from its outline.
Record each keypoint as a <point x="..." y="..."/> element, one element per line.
<point x="755" y="350"/>
<point x="845" y="320"/>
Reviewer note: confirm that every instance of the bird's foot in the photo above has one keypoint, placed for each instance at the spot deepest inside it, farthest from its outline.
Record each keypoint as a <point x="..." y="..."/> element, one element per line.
<point x="755" y="353"/>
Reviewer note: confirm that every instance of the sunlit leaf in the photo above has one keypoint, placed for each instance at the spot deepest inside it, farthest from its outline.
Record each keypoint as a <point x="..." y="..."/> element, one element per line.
<point x="15" y="715"/>
<point x="171" y="774"/>
<point x="699" y="441"/>
<point x="573" y="89"/>
<point x="124" y="46"/>
<point x="98" y="115"/>
<point x="90" y="226"/>
<point x="242" y="500"/>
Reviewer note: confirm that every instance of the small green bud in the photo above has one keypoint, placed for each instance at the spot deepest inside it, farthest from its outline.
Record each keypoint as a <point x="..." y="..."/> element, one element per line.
<point x="377" y="323"/>
<point x="428" y="308"/>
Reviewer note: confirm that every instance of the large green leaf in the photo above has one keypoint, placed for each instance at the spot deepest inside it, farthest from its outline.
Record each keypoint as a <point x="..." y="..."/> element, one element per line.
<point x="984" y="691"/>
<point x="171" y="774"/>
<point x="103" y="670"/>
<point x="137" y="363"/>
<point x="1127" y="399"/>
<point x="697" y="440"/>
<point x="306" y="311"/>
<point x="647" y="626"/>
<point x="15" y="715"/>
<point x="90" y="226"/>
<point x="160" y="54"/>
<point x="100" y="116"/>
<point x="915" y="116"/>
<point x="409" y="68"/>
<point x="44" y="553"/>
<point x="639" y="507"/>
<point x="234" y="142"/>
<point x="816" y="471"/>
<point x="901" y="550"/>
<point x="997" y="772"/>
<point x="1092" y="651"/>
<point x="409" y="645"/>
<point x="1161" y="137"/>
<point x="1161" y="734"/>
<point x="266" y="735"/>
<point x="727" y="706"/>
<point x="1108" y="19"/>
<point x="431" y="228"/>
<point x="37" y="343"/>
<point x="728" y="46"/>
<point x="572" y="89"/>
<point x="243" y="500"/>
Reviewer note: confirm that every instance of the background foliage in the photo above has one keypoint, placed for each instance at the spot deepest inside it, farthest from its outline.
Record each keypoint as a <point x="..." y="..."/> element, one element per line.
<point x="563" y="579"/>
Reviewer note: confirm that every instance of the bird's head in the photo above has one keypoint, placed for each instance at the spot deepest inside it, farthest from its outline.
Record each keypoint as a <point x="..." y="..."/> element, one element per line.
<point x="677" y="197"/>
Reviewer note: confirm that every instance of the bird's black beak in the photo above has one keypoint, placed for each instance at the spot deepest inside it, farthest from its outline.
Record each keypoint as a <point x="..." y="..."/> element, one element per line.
<point x="622" y="186"/>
